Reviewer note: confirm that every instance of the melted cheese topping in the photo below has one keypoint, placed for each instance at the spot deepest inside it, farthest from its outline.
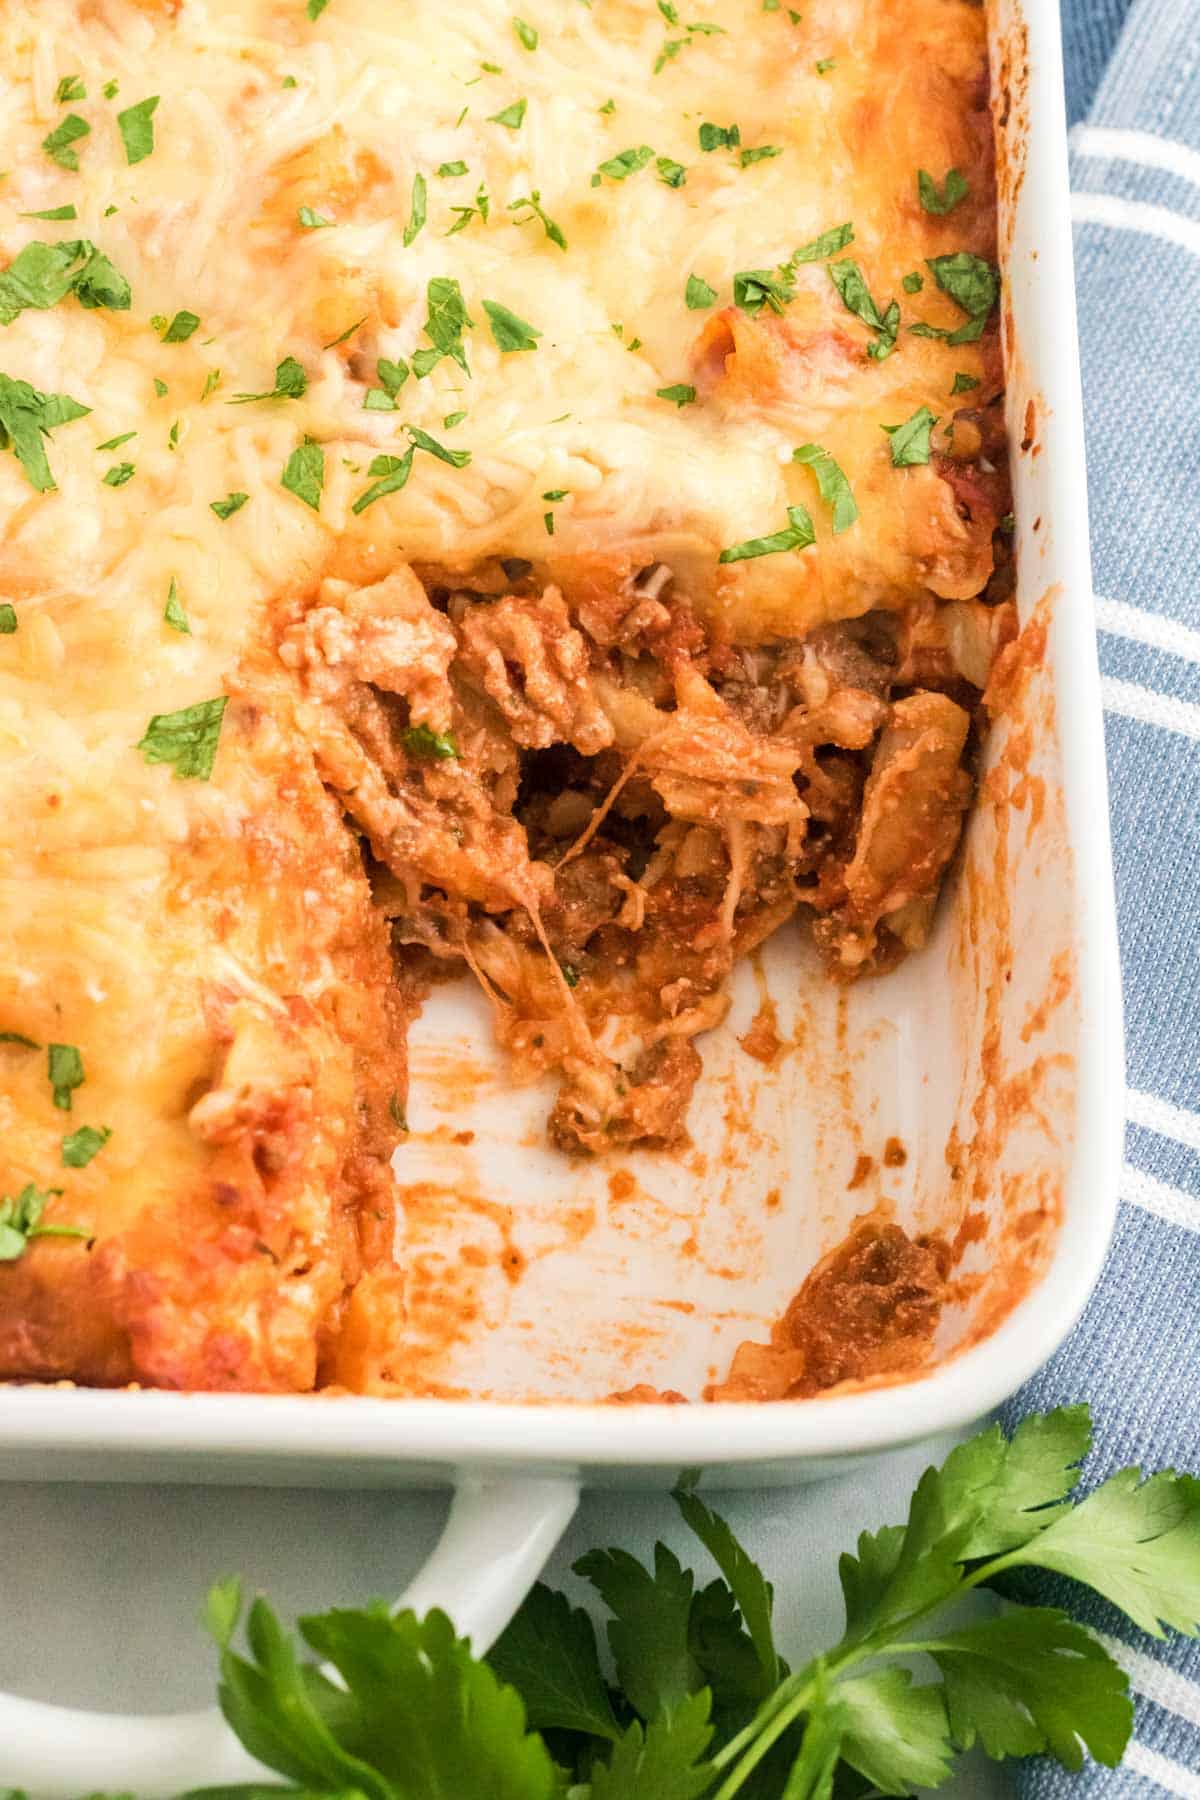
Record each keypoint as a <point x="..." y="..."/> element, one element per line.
<point x="122" y="909"/>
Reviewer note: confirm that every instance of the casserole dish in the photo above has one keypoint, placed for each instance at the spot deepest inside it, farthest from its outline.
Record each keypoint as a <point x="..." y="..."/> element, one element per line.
<point x="993" y="1057"/>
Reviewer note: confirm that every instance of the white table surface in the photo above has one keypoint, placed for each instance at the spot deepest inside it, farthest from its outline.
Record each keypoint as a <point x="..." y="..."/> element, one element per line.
<point x="101" y="1584"/>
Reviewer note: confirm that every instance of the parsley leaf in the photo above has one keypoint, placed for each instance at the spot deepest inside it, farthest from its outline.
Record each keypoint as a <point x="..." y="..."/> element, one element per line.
<point x="912" y="283"/>
<point x="173" y="613"/>
<point x="751" y="1591"/>
<point x="310" y="220"/>
<point x="291" y="383"/>
<point x="893" y="1732"/>
<point x="8" y="624"/>
<point x="510" y="331"/>
<point x="513" y="116"/>
<point x="18" y="1037"/>
<point x="526" y="34"/>
<point x="798" y="534"/>
<point x="847" y="278"/>
<point x="832" y="485"/>
<point x="458" y="459"/>
<point x="954" y="189"/>
<point x="417" y="213"/>
<point x="70" y="88"/>
<point x="187" y="739"/>
<point x="663" y="1760"/>
<point x="828" y="244"/>
<point x="393" y="471"/>
<point x="232" y="503"/>
<point x="626" y="163"/>
<point x="697" y="294"/>
<point x="680" y="393"/>
<point x="755" y="288"/>
<point x="719" y="137"/>
<point x="548" y="1653"/>
<point x="41" y="275"/>
<point x="26" y="417"/>
<point x="532" y="202"/>
<point x="648" y="1634"/>
<point x="53" y="213"/>
<point x="973" y="285"/>
<point x="447" y="319"/>
<point x="181" y="328"/>
<point x="57" y="143"/>
<point x="304" y="473"/>
<point x="762" y="153"/>
<point x="79" y="1147"/>
<point x="910" y="441"/>
<point x="118" y="475"/>
<point x="448" y="169"/>
<point x="963" y="383"/>
<point x="136" y="125"/>
<point x="315" y="8"/>
<point x="64" y="1067"/>
<point x="21" y="1221"/>
<point x="671" y="174"/>
<point x="426" y="745"/>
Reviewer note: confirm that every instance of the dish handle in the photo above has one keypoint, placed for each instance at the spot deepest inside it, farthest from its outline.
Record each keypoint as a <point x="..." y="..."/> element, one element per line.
<point x="493" y="1546"/>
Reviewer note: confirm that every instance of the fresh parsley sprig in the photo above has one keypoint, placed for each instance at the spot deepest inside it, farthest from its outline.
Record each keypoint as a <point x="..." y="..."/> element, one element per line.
<point x="703" y="1707"/>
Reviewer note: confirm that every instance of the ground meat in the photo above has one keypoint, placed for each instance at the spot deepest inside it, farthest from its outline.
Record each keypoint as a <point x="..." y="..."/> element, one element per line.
<point x="869" y="1309"/>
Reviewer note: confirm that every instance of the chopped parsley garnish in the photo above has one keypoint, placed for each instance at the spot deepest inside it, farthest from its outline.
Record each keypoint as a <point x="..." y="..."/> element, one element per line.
<point x="526" y="33"/>
<point x="21" y="1222"/>
<point x="513" y="116"/>
<point x="548" y="523"/>
<point x="392" y="375"/>
<point x="70" y="88"/>
<point x="556" y="493"/>
<point x="945" y="199"/>
<point x="755" y="288"/>
<point x="847" y="278"/>
<point x="609" y="107"/>
<point x="697" y="294"/>
<point x="345" y="335"/>
<point x="447" y="169"/>
<point x="18" y="1037"/>
<point x="315" y="8"/>
<point x="532" y="202"/>
<point x="416" y="215"/>
<point x="761" y="153"/>
<point x="8" y="624"/>
<point x="290" y="384"/>
<point x="798" y="534"/>
<point x="136" y="125"/>
<point x="232" y="503"/>
<point x="672" y="174"/>
<point x="110" y="89"/>
<point x="570" y="974"/>
<point x="825" y="65"/>
<point x="510" y="332"/>
<point x="681" y="394"/>
<point x="913" y="282"/>
<point x="624" y="164"/>
<point x="173" y="613"/>
<point x="398" y="1115"/>
<point x="427" y="745"/>
<point x="447" y="320"/>
<point x="289" y="81"/>
<point x="64" y="1068"/>
<point x="452" y="419"/>
<point x="57" y="144"/>
<point x="311" y="220"/>
<point x="212" y="382"/>
<point x="393" y="473"/>
<point x="173" y="436"/>
<point x="910" y="441"/>
<point x="304" y="473"/>
<point x="114" y="443"/>
<point x="828" y="244"/>
<point x="181" y="328"/>
<point x="118" y="475"/>
<point x="481" y="209"/>
<point x="26" y="417"/>
<point x="458" y="459"/>
<point x="963" y="383"/>
<point x="41" y="275"/>
<point x="720" y="137"/>
<point x="55" y="214"/>
<point x="832" y="485"/>
<point x="376" y="400"/>
<point x="160" y="388"/>
<point x="79" y="1147"/>
<point x="972" y="284"/>
<point x="187" y="739"/>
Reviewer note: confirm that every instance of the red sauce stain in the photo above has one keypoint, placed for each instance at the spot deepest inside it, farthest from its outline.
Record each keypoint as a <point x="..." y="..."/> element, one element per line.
<point x="894" y="1154"/>
<point x="864" y="1168"/>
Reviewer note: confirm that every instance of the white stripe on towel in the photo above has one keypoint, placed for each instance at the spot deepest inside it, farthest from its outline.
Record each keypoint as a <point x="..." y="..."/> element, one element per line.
<point x="1160" y="1116"/>
<point x="1149" y="708"/>
<point x="1148" y="1194"/>
<point x="1165" y="1686"/>
<point x="1119" y="619"/>
<point x="1136" y="215"/>
<point x="1140" y="147"/>
<point x="1160" y="1769"/>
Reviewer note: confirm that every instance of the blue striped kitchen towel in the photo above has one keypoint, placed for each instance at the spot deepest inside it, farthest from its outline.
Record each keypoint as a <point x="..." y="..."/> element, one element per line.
<point x="1135" y="175"/>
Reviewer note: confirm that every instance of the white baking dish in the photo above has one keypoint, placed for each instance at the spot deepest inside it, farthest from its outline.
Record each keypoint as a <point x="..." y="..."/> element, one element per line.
<point x="1008" y="1035"/>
